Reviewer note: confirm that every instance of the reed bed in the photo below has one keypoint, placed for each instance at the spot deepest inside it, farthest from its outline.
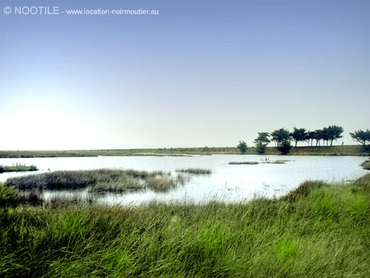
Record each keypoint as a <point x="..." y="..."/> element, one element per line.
<point x="322" y="232"/>
<point x="31" y="187"/>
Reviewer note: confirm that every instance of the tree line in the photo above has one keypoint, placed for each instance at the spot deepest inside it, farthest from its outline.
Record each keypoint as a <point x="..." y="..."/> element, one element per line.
<point x="283" y="138"/>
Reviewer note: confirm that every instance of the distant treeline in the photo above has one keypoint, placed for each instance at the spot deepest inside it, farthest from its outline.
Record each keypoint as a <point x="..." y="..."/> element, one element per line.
<point x="283" y="138"/>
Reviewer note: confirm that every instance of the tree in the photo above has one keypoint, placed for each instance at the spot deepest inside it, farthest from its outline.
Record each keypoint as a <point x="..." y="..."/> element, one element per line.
<point x="263" y="137"/>
<point x="318" y="135"/>
<point x="261" y="148"/>
<point x="361" y="136"/>
<point x="310" y="137"/>
<point x="262" y="141"/>
<point x="325" y="136"/>
<point x="242" y="146"/>
<point x="280" y="135"/>
<point x="284" y="147"/>
<point x="299" y="134"/>
<point x="332" y="133"/>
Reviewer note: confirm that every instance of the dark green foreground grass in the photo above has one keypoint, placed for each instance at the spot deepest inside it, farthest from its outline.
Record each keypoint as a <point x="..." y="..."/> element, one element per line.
<point x="319" y="230"/>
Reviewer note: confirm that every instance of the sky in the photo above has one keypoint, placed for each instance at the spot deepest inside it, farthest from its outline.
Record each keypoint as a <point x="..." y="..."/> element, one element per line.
<point x="193" y="73"/>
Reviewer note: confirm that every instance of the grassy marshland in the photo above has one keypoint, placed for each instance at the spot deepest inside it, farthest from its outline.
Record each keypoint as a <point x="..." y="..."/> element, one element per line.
<point x="318" y="230"/>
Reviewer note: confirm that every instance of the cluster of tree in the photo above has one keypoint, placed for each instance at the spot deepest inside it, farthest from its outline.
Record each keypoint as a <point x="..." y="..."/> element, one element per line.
<point x="283" y="138"/>
<point x="361" y="136"/>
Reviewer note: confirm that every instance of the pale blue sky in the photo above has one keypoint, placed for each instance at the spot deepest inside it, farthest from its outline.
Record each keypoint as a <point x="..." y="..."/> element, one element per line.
<point x="200" y="73"/>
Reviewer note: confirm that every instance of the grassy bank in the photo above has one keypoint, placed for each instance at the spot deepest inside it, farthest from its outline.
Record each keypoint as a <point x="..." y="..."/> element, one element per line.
<point x="318" y="230"/>
<point x="334" y="150"/>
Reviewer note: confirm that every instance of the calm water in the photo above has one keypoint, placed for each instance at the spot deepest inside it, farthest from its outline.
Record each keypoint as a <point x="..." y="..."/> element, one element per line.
<point x="227" y="182"/>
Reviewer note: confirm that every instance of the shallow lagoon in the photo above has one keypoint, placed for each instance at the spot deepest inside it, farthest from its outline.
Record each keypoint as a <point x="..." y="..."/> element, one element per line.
<point x="229" y="183"/>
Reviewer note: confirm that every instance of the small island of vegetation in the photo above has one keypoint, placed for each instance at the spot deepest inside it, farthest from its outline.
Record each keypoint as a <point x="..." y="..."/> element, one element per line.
<point x="18" y="168"/>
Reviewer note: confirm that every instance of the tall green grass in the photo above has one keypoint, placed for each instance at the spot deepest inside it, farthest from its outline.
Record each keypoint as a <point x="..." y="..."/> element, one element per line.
<point x="318" y="230"/>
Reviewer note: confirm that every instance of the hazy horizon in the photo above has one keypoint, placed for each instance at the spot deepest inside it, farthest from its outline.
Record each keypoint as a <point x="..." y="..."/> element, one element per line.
<point x="193" y="74"/>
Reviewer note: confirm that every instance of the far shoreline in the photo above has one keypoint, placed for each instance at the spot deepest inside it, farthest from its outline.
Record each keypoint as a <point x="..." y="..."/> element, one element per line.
<point x="337" y="150"/>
